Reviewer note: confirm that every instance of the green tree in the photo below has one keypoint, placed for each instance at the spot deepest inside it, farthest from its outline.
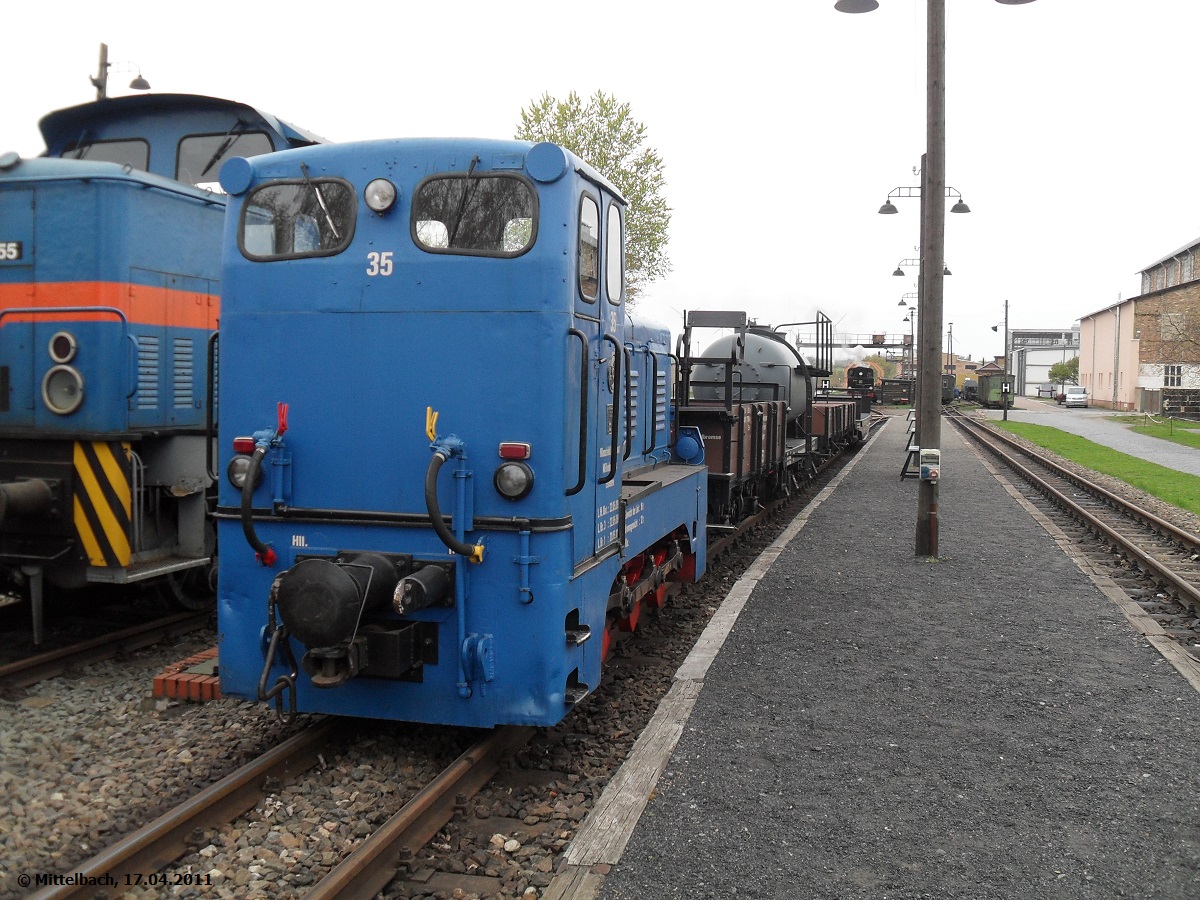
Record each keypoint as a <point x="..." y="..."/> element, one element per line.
<point x="605" y="135"/>
<point x="1065" y="372"/>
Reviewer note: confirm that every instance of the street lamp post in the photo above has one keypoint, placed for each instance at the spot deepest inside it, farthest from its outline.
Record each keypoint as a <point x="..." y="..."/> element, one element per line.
<point x="1007" y="374"/>
<point x="911" y="319"/>
<point x="933" y="250"/>
<point x="915" y="297"/>
<point x="951" y="365"/>
<point x="915" y="262"/>
<point x="889" y="208"/>
<point x="100" y="82"/>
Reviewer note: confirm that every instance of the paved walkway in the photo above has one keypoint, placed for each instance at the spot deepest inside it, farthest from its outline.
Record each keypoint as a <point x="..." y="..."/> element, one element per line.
<point x="1096" y="425"/>
<point x="863" y="723"/>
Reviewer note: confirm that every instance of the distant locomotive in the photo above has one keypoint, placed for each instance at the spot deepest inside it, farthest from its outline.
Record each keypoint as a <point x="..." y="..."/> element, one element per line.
<point x="860" y="378"/>
<point x="110" y="247"/>
<point x="393" y="309"/>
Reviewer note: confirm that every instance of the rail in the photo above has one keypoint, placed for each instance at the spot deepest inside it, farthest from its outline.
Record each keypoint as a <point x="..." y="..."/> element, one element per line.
<point x="33" y="669"/>
<point x="150" y="847"/>
<point x="366" y="871"/>
<point x="1187" y="587"/>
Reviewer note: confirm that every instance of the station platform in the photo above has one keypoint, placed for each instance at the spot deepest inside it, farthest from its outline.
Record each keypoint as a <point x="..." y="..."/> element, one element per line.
<point x="1000" y="722"/>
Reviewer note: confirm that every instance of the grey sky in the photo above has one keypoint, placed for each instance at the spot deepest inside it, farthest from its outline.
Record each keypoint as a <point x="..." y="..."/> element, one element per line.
<point x="783" y="127"/>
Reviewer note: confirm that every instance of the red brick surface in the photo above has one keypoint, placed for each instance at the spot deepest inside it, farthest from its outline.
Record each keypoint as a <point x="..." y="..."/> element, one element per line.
<point x="176" y="683"/>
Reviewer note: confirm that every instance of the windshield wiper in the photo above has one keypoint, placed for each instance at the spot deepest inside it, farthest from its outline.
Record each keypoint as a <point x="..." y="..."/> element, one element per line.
<point x="316" y="189"/>
<point x="468" y="191"/>
<point x="80" y="148"/>
<point x="231" y="137"/>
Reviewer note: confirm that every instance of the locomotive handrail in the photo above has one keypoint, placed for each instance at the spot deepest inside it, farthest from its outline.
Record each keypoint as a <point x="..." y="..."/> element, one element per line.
<point x="651" y="431"/>
<point x="628" y="401"/>
<point x="58" y="310"/>
<point x="731" y="369"/>
<point x="615" y="419"/>
<point x="583" y="410"/>
<point x="678" y="388"/>
<point x="210" y="395"/>
<point x="54" y="310"/>
<point x="132" y="364"/>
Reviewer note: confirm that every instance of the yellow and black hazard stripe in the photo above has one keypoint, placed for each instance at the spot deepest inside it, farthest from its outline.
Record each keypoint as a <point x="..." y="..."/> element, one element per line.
<point x="103" y="501"/>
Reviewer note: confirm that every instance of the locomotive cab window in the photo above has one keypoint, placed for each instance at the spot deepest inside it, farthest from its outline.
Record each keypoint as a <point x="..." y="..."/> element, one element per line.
<point x="475" y="215"/>
<point x="135" y="153"/>
<point x="294" y="219"/>
<point x="201" y="155"/>
<point x="589" y="248"/>
<point x="614" y="260"/>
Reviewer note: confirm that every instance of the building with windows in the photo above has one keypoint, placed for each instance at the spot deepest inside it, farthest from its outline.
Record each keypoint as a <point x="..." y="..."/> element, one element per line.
<point x="1143" y="353"/>
<point x="1032" y="351"/>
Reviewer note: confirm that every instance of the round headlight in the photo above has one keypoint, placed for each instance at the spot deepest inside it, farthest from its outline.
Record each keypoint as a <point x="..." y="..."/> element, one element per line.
<point x="63" y="347"/>
<point x="238" y="469"/>
<point x="513" y="480"/>
<point x="62" y="390"/>
<point x="380" y="195"/>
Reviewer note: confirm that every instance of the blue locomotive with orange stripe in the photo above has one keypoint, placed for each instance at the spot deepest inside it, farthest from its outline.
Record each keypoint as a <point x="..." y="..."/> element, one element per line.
<point x="450" y="470"/>
<point x="110" y="247"/>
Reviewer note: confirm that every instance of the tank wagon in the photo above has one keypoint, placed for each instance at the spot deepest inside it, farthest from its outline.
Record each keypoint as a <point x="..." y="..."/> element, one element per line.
<point x="109" y="292"/>
<point x="449" y="468"/>
<point x="753" y="397"/>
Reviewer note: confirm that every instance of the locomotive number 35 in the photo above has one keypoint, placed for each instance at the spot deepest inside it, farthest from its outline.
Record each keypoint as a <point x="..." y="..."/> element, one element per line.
<point x="377" y="263"/>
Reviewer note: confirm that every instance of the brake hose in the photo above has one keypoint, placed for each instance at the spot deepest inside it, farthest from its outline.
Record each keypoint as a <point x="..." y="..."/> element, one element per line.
<point x="473" y="552"/>
<point x="262" y="552"/>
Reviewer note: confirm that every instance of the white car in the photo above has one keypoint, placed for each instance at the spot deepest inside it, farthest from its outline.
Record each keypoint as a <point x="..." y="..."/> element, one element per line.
<point x="1076" y="396"/>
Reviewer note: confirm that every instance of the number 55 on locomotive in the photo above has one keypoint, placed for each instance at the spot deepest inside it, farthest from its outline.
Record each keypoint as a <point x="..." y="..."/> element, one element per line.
<point x="110" y="249"/>
<point x="450" y="475"/>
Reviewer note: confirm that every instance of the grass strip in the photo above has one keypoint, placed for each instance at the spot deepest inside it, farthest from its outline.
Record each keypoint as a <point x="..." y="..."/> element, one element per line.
<point x="1177" y="488"/>
<point x="1177" y="431"/>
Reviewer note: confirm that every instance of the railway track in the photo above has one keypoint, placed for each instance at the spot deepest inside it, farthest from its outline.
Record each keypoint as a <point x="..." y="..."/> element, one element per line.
<point x="139" y="858"/>
<point x="149" y="852"/>
<point x="144" y="852"/>
<point x="1167" y="554"/>
<point x="32" y="669"/>
<point x="374" y="863"/>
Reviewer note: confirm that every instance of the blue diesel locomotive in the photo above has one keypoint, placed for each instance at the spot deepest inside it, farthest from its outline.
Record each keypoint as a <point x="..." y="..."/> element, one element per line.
<point x="110" y="247"/>
<point x="449" y="467"/>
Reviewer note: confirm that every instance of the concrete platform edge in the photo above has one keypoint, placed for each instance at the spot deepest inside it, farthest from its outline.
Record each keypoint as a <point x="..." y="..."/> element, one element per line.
<point x="606" y="831"/>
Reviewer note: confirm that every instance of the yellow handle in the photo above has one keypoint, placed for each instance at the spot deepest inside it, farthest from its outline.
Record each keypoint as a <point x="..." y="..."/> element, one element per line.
<point x="430" y="423"/>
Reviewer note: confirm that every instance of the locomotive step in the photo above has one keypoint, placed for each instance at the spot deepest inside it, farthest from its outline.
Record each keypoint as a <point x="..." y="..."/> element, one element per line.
<point x="140" y="571"/>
